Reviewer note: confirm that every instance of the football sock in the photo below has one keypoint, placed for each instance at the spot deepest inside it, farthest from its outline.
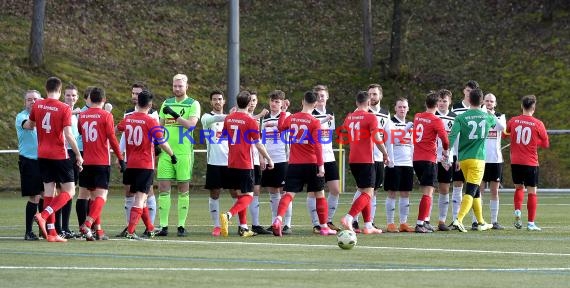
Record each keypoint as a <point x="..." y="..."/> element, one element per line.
<point x="366" y="214"/>
<point x="518" y="198"/>
<point x="322" y="210"/>
<point x="242" y="204"/>
<point x="288" y="215"/>
<point x="145" y="216"/>
<point x="56" y="204"/>
<point x="356" y="195"/>
<point x="95" y="209"/>
<point x="242" y="217"/>
<point x="57" y="223"/>
<point x="478" y="210"/>
<point x="456" y="198"/>
<point x="163" y="207"/>
<point x="214" y="211"/>
<point x="31" y="209"/>
<point x="151" y="204"/>
<point x="390" y="210"/>
<point x="66" y="214"/>
<point x="312" y="209"/>
<point x="494" y="205"/>
<point x="423" y="209"/>
<point x="81" y="207"/>
<point x="135" y="217"/>
<point x="443" y="204"/>
<point x="362" y="201"/>
<point x="254" y="210"/>
<point x="531" y="204"/>
<point x="466" y="205"/>
<point x="183" y="203"/>
<point x="129" y="201"/>
<point x="274" y="199"/>
<point x="284" y="204"/>
<point x="333" y="204"/>
<point x="404" y="204"/>
<point x="372" y="208"/>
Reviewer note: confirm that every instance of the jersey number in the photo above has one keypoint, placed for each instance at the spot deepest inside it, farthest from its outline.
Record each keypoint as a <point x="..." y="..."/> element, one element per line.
<point x="474" y="125"/>
<point x="134" y="135"/>
<point x="296" y="128"/>
<point x="523" y="135"/>
<point x="419" y="131"/>
<point x="89" y="131"/>
<point x="46" y="122"/>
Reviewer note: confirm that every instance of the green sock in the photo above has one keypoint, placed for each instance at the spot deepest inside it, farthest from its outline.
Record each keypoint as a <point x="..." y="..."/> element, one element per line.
<point x="183" y="203"/>
<point x="164" y="207"/>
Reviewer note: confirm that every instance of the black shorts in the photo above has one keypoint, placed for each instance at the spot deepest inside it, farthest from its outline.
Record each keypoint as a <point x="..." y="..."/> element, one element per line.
<point x="457" y="175"/>
<point x="331" y="171"/>
<point x="493" y="172"/>
<point x="425" y="171"/>
<point x="275" y="177"/>
<point x="525" y="175"/>
<point x="240" y="179"/>
<point x="444" y="176"/>
<point x="300" y="174"/>
<point x="379" y="179"/>
<point x="73" y="160"/>
<point x="30" y="177"/>
<point x="139" y="179"/>
<point x="95" y="176"/>
<point x="364" y="174"/>
<point x="399" y="178"/>
<point x="59" y="171"/>
<point x="214" y="176"/>
<point x="256" y="175"/>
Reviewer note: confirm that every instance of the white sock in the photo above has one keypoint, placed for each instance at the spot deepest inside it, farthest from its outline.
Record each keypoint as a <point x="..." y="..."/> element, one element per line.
<point x="368" y="225"/>
<point x="312" y="209"/>
<point x="129" y="201"/>
<point x="274" y="199"/>
<point x="349" y="219"/>
<point x="333" y="204"/>
<point x="443" y="202"/>
<point x="473" y="218"/>
<point x="214" y="211"/>
<point x="288" y="215"/>
<point x="151" y="204"/>
<point x="254" y="210"/>
<point x="390" y="210"/>
<point x="372" y="208"/>
<point x="404" y="204"/>
<point x="494" y="210"/>
<point x="456" y="198"/>
<point x="356" y="195"/>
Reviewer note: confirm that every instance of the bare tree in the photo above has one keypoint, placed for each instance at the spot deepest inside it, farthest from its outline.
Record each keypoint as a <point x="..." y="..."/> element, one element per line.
<point x="36" y="51"/>
<point x="367" y="33"/>
<point x="396" y="38"/>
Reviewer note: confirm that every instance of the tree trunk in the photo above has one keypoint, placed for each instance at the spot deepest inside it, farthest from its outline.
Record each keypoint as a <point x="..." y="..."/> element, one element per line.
<point x="547" y="10"/>
<point x="36" y="51"/>
<point x="396" y="39"/>
<point x="367" y="33"/>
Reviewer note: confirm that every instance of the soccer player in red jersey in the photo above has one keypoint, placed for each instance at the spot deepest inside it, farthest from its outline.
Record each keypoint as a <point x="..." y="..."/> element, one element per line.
<point x="527" y="134"/>
<point x="306" y="164"/>
<point x="363" y="133"/>
<point x="241" y="131"/>
<point x="96" y="127"/>
<point x="427" y="129"/>
<point x="52" y="120"/>
<point x="141" y="132"/>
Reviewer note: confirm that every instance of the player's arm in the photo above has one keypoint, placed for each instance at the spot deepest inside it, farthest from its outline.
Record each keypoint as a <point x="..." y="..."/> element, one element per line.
<point x="454" y="134"/>
<point x="284" y="122"/>
<point x="263" y="152"/>
<point x="68" y="133"/>
<point x="261" y="114"/>
<point x="112" y="138"/>
<point x="318" y="147"/>
<point x="501" y="123"/>
<point x="28" y="124"/>
<point x="389" y="138"/>
<point x="543" y="136"/>
<point x="379" y="141"/>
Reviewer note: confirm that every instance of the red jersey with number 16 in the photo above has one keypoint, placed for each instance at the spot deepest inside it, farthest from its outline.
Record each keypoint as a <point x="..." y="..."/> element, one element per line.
<point x="305" y="138"/>
<point x="140" y="131"/>
<point x="51" y="116"/>
<point x="527" y="134"/>
<point x="243" y="131"/>
<point x="361" y="126"/>
<point x="96" y="127"/>
<point x="427" y="128"/>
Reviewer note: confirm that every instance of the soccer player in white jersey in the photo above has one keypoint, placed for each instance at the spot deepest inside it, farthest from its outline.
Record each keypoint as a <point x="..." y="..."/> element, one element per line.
<point x="493" y="159"/>
<point x="399" y="175"/>
<point x="383" y="116"/>
<point x="458" y="178"/>
<point x="444" y="176"/>
<point x="331" y="169"/>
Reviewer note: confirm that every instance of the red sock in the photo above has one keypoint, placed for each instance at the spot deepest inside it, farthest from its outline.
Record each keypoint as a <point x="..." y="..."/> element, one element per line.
<point x="359" y="204"/>
<point x="47" y="201"/>
<point x="50" y="218"/>
<point x="242" y="217"/>
<point x="56" y="204"/>
<point x="366" y="213"/>
<point x="322" y="210"/>
<point x="97" y="221"/>
<point x="531" y="203"/>
<point x="284" y="204"/>
<point x="95" y="208"/>
<point x="241" y="204"/>
<point x="134" y="219"/>
<point x="518" y="198"/>
<point x="425" y="203"/>
<point x="146" y="219"/>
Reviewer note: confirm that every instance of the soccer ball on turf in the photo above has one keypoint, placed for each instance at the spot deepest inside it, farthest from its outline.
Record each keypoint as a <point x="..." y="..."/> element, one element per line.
<point x="346" y="239"/>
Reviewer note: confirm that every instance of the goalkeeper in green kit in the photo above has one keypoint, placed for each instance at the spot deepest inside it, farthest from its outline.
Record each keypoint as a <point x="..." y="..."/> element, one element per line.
<point x="177" y="114"/>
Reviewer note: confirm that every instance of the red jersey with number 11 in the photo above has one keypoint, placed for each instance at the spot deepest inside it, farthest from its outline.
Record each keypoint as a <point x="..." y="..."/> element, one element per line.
<point x="140" y="130"/>
<point x="527" y="134"/>
<point x="96" y="127"/>
<point x="361" y="126"/>
<point x="51" y="116"/>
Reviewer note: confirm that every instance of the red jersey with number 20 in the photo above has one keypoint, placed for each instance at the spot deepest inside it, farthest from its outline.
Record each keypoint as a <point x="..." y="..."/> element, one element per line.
<point x="242" y="131"/>
<point x="305" y="138"/>
<point x="51" y="116"/>
<point x="427" y="128"/>
<point x="361" y="126"/>
<point x="139" y="127"/>
<point x="527" y="134"/>
<point x="96" y="127"/>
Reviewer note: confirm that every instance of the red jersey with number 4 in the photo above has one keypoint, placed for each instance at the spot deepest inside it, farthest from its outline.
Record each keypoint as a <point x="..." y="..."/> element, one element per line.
<point x="361" y="127"/>
<point x="243" y="131"/>
<point x="51" y="116"/>
<point x="427" y="128"/>
<point x="140" y="131"/>
<point x="527" y="134"/>
<point x="97" y="129"/>
<point x="304" y="137"/>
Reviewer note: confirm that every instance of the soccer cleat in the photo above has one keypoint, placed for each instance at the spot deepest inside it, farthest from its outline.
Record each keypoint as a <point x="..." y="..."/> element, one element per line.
<point x="533" y="227"/>
<point x="371" y="231"/>
<point x="123" y="233"/>
<point x="41" y="223"/>
<point x="355" y="227"/>
<point x="163" y="232"/>
<point x="325" y="231"/>
<point x="259" y="230"/>
<point x="392" y="228"/>
<point x="428" y="226"/>
<point x="133" y="236"/>
<point x="317" y="229"/>
<point x="484" y="227"/>
<point x="451" y="226"/>
<point x="459" y="225"/>
<point x="277" y="227"/>
<point x="518" y="222"/>
<point x="345" y="224"/>
<point x="101" y="236"/>
<point x="286" y="230"/>
<point x="86" y="233"/>
<point x="224" y="224"/>
<point x="68" y="234"/>
<point x="149" y="234"/>
<point x="442" y="227"/>
<point x="474" y="226"/>
<point x="30" y="236"/>
<point x="181" y="232"/>
<point x="216" y="232"/>
<point x="55" y="238"/>
<point x="404" y="227"/>
<point x="421" y="229"/>
<point x="245" y="232"/>
<point x="497" y="226"/>
<point x="333" y="227"/>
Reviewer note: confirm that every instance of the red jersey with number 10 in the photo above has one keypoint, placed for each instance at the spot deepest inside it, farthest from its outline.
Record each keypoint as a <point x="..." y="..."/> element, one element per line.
<point x="140" y="131"/>
<point x="527" y="134"/>
<point x="243" y="131"/>
<point x="361" y="126"/>
<point x="427" y="128"/>
<point x="51" y="116"/>
<point x="96" y="127"/>
<point x="304" y="137"/>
